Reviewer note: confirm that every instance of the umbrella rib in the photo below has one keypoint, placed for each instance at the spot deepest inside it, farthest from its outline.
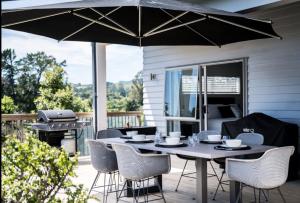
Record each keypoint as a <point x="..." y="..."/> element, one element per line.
<point x="77" y="31"/>
<point x="103" y="24"/>
<point x="195" y="31"/>
<point x="86" y="26"/>
<point x="174" y="27"/>
<point x="165" y="23"/>
<point x="39" y="18"/>
<point x="113" y="21"/>
<point x="13" y="11"/>
<point x="241" y="26"/>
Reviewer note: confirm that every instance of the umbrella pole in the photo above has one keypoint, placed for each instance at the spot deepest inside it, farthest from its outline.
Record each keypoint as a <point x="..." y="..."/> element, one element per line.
<point x="94" y="72"/>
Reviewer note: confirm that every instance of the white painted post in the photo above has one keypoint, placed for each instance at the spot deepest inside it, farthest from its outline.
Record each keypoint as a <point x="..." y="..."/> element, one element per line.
<point x="101" y="86"/>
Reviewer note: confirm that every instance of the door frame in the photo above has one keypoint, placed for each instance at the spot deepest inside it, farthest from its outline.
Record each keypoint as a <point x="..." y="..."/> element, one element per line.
<point x="244" y="87"/>
<point x="244" y="61"/>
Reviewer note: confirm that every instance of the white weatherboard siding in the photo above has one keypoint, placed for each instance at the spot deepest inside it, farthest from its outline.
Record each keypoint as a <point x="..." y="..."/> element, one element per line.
<point x="273" y="68"/>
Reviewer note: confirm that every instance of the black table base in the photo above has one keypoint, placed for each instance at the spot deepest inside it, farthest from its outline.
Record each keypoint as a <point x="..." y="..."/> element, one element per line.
<point x="151" y="189"/>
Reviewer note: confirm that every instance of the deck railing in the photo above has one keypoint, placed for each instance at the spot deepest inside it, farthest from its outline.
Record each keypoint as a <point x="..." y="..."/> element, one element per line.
<point x="20" y="123"/>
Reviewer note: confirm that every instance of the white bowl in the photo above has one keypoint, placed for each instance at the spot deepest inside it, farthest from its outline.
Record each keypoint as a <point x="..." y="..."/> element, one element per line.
<point x="214" y="137"/>
<point x="172" y="140"/>
<point x="175" y="134"/>
<point x="140" y="137"/>
<point x="130" y="133"/>
<point x="233" y="143"/>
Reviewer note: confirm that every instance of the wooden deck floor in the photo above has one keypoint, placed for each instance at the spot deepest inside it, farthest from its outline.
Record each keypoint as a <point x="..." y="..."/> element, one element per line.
<point x="186" y="192"/>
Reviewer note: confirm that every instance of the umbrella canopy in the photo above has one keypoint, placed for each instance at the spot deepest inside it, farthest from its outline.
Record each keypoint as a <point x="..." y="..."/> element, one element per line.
<point x="137" y="22"/>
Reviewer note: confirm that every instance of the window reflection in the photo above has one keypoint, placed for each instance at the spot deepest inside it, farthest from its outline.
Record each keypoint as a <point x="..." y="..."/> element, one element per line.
<point x="181" y="92"/>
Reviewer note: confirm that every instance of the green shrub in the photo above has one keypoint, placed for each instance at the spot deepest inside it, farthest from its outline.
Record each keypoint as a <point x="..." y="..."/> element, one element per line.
<point x="7" y="105"/>
<point x="33" y="171"/>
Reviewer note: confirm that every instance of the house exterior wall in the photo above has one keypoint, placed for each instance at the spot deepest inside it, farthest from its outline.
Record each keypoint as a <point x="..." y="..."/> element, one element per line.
<point x="273" y="68"/>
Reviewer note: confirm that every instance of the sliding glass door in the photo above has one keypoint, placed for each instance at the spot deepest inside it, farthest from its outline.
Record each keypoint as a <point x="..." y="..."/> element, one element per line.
<point x="202" y="97"/>
<point x="223" y="96"/>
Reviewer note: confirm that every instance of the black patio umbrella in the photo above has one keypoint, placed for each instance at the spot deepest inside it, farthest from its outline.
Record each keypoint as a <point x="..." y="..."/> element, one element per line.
<point x="137" y="22"/>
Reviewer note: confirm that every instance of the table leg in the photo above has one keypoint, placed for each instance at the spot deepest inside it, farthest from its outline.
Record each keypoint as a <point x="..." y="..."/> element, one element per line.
<point x="234" y="191"/>
<point x="201" y="182"/>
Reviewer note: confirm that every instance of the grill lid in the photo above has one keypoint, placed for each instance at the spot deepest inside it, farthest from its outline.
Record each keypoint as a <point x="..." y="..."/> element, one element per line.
<point x="55" y="115"/>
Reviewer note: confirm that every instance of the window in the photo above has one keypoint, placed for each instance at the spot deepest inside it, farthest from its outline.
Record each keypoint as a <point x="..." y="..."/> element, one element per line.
<point x="181" y="87"/>
<point x="222" y="85"/>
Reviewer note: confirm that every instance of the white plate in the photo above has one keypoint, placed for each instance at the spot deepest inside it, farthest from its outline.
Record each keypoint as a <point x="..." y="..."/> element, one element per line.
<point x="132" y="140"/>
<point x="241" y="146"/>
<point x="167" y="144"/>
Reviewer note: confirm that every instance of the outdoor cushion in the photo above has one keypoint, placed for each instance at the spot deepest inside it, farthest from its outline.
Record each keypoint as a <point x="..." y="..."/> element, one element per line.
<point x="213" y="111"/>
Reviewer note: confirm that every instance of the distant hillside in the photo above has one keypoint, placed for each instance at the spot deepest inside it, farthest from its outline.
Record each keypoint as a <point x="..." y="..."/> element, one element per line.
<point x="121" y="96"/>
<point x="85" y="91"/>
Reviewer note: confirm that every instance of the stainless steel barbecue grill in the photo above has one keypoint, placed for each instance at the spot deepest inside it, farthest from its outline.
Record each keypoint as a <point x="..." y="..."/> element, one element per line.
<point x="53" y="124"/>
<point x="58" y="120"/>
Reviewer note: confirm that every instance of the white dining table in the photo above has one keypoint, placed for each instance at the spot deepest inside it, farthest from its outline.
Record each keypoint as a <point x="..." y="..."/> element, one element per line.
<point x="202" y="153"/>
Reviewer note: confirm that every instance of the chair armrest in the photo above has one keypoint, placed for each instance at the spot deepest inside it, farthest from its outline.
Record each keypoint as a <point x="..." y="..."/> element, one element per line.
<point x="268" y="171"/>
<point x="155" y="164"/>
<point x="240" y="160"/>
<point x="158" y="163"/>
<point x="243" y="170"/>
<point x="233" y="164"/>
<point x="135" y="165"/>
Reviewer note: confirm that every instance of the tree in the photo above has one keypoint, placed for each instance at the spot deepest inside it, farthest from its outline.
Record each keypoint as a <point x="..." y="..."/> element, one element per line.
<point x="131" y="105"/>
<point x="26" y="89"/>
<point x="33" y="171"/>
<point x="84" y="92"/>
<point x="31" y="68"/>
<point x="137" y="88"/>
<point x="56" y="93"/>
<point x="121" y="89"/>
<point x="9" y="73"/>
<point x="38" y="63"/>
<point x="125" y="95"/>
<point x="7" y="105"/>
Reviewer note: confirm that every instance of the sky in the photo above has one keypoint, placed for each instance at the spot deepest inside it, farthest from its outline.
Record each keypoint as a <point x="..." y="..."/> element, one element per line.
<point x="123" y="62"/>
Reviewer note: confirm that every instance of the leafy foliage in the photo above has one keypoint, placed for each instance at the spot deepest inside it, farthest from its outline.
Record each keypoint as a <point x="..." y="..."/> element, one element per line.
<point x="84" y="91"/>
<point x="125" y="98"/>
<point x="31" y="68"/>
<point x="137" y="88"/>
<point x="7" y="105"/>
<point x="21" y="77"/>
<point x="24" y="81"/>
<point x="33" y="171"/>
<point x="131" y="105"/>
<point x="56" y="93"/>
<point x="9" y="73"/>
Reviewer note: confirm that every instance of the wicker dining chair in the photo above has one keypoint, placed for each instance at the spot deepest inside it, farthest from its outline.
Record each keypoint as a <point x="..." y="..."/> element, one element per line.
<point x="104" y="160"/>
<point x="201" y="136"/>
<point x="140" y="168"/>
<point x="108" y="133"/>
<point x="247" y="139"/>
<point x="268" y="172"/>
